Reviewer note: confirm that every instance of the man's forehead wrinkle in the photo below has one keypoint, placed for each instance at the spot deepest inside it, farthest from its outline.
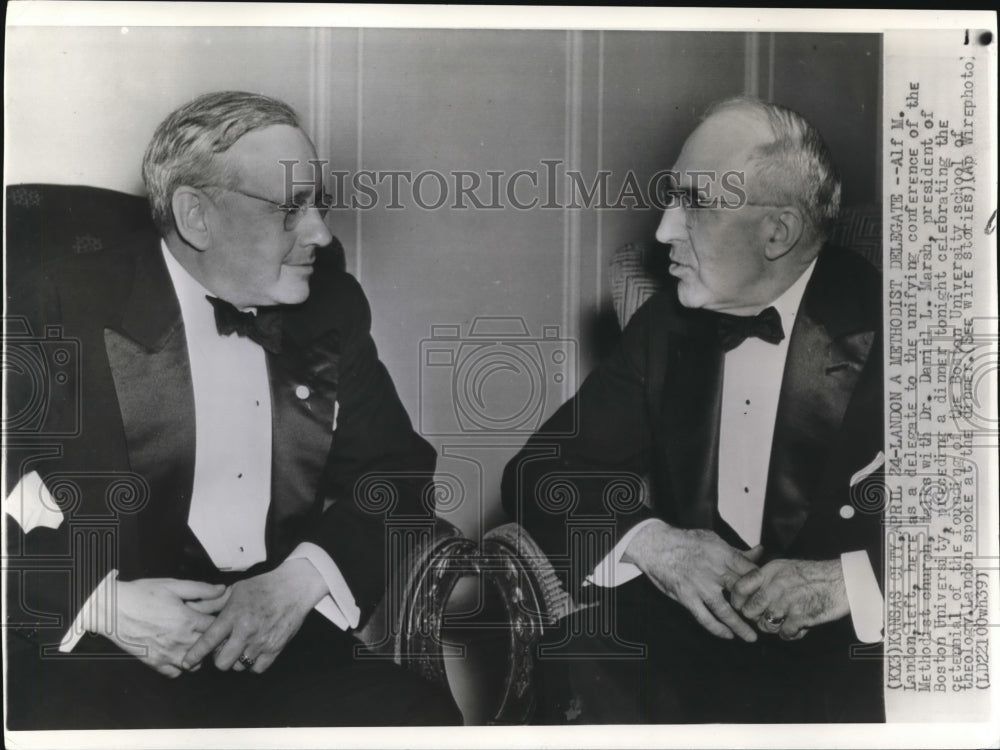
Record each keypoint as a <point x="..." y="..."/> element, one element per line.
<point x="725" y="142"/>
<point x="259" y="154"/>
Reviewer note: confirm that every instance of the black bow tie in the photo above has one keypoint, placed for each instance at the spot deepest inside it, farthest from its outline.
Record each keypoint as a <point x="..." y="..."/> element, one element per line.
<point x="733" y="330"/>
<point x="263" y="328"/>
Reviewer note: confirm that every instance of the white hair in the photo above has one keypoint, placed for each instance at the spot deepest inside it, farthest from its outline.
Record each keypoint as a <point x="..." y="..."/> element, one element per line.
<point x="796" y="167"/>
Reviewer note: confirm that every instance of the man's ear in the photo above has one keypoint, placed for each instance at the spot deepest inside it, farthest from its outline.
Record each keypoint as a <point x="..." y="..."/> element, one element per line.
<point x="190" y="216"/>
<point x="785" y="228"/>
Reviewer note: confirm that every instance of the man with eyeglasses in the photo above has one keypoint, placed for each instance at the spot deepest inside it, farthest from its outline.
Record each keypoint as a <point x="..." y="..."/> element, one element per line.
<point x="749" y="392"/>
<point x="228" y="364"/>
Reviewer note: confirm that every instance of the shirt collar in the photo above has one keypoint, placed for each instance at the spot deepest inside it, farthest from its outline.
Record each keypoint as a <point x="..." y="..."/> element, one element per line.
<point x="788" y="303"/>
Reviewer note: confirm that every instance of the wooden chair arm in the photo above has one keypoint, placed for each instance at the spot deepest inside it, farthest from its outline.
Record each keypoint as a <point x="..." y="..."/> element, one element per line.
<point x="534" y="600"/>
<point x="406" y="625"/>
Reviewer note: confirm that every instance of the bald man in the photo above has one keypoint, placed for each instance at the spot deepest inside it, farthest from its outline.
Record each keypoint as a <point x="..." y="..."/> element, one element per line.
<point x="747" y="587"/>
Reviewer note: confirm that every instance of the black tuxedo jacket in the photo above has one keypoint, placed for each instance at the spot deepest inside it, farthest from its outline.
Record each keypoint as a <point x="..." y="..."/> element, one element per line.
<point x="116" y="446"/>
<point x="653" y="409"/>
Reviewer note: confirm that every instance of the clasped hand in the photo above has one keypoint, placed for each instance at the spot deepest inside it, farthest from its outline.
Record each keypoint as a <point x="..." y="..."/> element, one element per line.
<point x="172" y="625"/>
<point x="696" y="568"/>
<point x="259" y="617"/>
<point x="788" y="597"/>
<point x="157" y="620"/>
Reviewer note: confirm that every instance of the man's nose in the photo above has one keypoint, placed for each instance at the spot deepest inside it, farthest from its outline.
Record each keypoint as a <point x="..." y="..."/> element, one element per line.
<point x="672" y="226"/>
<point x="313" y="228"/>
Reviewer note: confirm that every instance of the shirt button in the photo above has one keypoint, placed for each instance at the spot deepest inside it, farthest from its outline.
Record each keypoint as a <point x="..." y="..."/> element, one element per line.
<point x="846" y="512"/>
<point x="302" y="392"/>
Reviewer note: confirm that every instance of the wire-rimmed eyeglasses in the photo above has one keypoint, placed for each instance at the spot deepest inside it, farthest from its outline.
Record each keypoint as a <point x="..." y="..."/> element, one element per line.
<point x="293" y="212"/>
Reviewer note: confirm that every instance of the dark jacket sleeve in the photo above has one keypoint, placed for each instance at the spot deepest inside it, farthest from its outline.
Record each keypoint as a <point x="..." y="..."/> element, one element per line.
<point x="49" y="571"/>
<point x="378" y="481"/>
<point x="576" y="486"/>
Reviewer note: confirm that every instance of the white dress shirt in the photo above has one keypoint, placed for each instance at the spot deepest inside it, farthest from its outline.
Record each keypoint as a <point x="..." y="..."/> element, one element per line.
<point x="232" y="404"/>
<point x="232" y="475"/>
<point x="751" y="386"/>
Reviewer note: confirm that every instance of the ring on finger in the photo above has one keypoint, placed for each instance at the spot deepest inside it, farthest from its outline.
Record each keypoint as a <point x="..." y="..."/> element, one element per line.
<point x="773" y="620"/>
<point x="246" y="661"/>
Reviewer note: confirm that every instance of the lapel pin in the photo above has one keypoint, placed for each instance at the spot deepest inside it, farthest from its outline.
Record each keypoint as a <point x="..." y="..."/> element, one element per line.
<point x="302" y="392"/>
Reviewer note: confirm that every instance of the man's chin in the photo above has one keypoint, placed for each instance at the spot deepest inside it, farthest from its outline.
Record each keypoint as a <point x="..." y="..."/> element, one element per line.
<point x="293" y="286"/>
<point x="688" y="294"/>
<point x="292" y="296"/>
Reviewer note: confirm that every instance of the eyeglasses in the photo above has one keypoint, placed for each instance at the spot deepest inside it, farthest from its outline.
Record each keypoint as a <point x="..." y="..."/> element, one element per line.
<point x="294" y="212"/>
<point x="670" y="194"/>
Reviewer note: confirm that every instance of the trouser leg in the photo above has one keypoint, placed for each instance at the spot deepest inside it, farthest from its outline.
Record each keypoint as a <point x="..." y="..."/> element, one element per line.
<point x="687" y="675"/>
<point x="316" y="681"/>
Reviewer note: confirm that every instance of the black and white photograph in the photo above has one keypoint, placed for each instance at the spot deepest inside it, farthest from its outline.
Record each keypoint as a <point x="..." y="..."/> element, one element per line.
<point x="499" y="377"/>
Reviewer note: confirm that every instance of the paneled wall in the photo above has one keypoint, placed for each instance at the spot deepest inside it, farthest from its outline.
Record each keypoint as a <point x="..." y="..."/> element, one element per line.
<point x="81" y="104"/>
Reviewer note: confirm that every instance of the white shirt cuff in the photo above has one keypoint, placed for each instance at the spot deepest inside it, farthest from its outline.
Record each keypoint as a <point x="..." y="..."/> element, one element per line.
<point x="339" y="606"/>
<point x="611" y="571"/>
<point x="100" y="598"/>
<point x="863" y="596"/>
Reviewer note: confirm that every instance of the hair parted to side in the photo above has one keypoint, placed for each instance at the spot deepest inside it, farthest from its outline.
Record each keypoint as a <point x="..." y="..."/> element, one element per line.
<point x="185" y="146"/>
<point x="796" y="168"/>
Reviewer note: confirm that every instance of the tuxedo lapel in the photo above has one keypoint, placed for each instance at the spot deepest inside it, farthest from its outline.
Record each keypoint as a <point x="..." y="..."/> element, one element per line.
<point x="827" y="352"/>
<point x="151" y="311"/>
<point x="148" y="359"/>
<point x="692" y="403"/>
<point x="304" y="378"/>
